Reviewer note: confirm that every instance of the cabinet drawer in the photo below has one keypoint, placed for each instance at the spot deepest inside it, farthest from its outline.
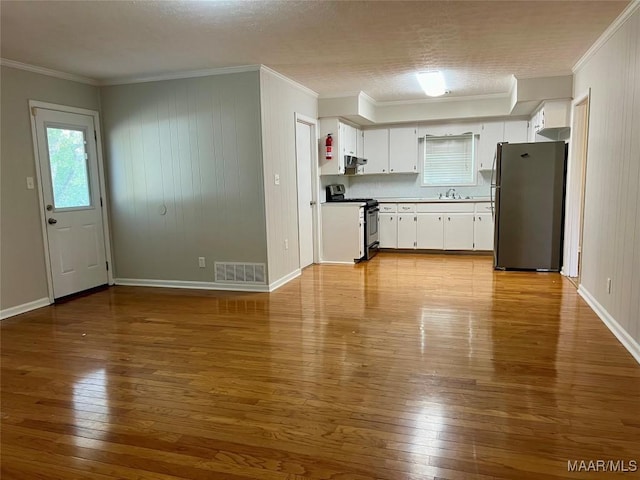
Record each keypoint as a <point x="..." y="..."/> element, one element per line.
<point x="406" y="207"/>
<point x="445" y="208"/>
<point x="388" y="208"/>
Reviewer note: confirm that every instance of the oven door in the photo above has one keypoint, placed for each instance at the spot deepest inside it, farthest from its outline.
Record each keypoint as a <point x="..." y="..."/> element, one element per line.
<point x="372" y="227"/>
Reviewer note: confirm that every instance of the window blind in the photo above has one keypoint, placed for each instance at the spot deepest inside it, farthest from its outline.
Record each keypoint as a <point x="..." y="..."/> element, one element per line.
<point x="449" y="160"/>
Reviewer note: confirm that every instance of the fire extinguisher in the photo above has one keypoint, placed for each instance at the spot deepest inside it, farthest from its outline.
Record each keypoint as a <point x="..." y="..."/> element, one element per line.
<point x="328" y="145"/>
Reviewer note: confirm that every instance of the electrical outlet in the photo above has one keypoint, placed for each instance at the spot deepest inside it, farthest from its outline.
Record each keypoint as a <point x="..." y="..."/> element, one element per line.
<point x="202" y="262"/>
<point x="30" y="185"/>
<point x="286" y="244"/>
<point x="276" y="179"/>
<point x="608" y="285"/>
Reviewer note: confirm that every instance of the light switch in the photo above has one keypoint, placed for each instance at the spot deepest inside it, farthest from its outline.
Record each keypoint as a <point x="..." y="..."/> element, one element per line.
<point x="276" y="179"/>
<point x="30" y="185"/>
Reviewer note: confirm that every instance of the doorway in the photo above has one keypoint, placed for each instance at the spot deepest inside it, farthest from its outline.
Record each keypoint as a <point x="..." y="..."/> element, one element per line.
<point x="71" y="190"/>
<point x="307" y="188"/>
<point x="576" y="185"/>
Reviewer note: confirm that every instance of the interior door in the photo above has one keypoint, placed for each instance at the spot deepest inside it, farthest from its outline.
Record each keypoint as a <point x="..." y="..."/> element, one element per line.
<point x="68" y="165"/>
<point x="304" y="146"/>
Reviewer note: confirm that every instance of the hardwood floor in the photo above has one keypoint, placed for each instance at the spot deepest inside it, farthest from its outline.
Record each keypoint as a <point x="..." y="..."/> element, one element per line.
<point x="406" y="367"/>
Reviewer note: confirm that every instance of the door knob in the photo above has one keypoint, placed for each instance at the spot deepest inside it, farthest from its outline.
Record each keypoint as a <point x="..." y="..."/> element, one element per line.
<point x="52" y="221"/>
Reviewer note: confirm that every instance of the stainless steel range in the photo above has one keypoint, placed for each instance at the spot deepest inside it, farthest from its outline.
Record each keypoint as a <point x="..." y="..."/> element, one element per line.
<point x="335" y="193"/>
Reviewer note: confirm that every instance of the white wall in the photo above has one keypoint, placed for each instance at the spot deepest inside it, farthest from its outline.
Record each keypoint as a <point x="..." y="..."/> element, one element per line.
<point x="192" y="145"/>
<point x="611" y="246"/>
<point x="280" y="100"/>
<point x="23" y="272"/>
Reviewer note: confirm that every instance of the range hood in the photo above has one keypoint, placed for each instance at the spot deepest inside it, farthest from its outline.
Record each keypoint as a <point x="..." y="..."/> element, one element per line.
<point x="351" y="161"/>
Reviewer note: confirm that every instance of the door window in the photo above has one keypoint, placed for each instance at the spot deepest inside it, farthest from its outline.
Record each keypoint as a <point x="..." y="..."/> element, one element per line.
<point x="68" y="164"/>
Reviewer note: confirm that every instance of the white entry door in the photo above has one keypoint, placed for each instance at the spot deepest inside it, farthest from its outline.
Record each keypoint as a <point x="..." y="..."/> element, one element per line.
<point x="304" y="145"/>
<point x="68" y="164"/>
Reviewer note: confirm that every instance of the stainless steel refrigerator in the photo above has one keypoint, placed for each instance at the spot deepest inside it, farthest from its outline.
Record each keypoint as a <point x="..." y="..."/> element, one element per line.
<point x="529" y="193"/>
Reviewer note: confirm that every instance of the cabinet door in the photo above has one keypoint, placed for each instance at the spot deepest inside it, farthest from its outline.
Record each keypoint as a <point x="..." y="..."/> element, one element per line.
<point x="359" y="143"/>
<point x="376" y="150"/>
<point x="349" y="142"/>
<point x="483" y="232"/>
<point x="407" y="230"/>
<point x="515" y="131"/>
<point x="430" y="231"/>
<point x="458" y="231"/>
<point x="490" y="135"/>
<point x="403" y="150"/>
<point x="388" y="228"/>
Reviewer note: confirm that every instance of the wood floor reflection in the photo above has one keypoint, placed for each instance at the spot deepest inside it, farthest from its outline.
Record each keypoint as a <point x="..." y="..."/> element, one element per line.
<point x="405" y="367"/>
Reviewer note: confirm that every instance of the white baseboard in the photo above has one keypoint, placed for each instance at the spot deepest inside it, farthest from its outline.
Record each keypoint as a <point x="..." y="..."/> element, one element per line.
<point x="24" y="308"/>
<point x="287" y="278"/>
<point x="331" y="262"/>
<point x="620" y="333"/>
<point x="236" y="287"/>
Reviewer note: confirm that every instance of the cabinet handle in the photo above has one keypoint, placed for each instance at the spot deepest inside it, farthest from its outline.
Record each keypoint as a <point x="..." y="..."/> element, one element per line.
<point x="439" y="219"/>
<point x="384" y="170"/>
<point x="479" y="219"/>
<point x="449" y="218"/>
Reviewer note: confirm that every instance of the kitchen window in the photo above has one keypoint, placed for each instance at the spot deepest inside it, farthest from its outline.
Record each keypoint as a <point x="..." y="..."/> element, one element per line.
<point x="449" y="160"/>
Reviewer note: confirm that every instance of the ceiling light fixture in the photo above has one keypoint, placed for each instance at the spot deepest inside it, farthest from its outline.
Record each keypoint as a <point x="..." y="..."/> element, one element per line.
<point x="432" y="83"/>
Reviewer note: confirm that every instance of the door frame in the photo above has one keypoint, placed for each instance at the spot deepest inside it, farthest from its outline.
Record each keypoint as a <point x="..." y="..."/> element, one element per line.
<point x="315" y="183"/>
<point x="576" y="192"/>
<point x="33" y="104"/>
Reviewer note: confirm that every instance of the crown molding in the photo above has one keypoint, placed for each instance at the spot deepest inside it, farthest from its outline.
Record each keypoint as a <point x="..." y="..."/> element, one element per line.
<point x="299" y="86"/>
<point x="607" y="34"/>
<point x="48" y="71"/>
<point x="181" y="75"/>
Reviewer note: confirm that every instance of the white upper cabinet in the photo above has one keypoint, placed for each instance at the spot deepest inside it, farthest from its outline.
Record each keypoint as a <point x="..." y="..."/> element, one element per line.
<point x="350" y="136"/>
<point x="376" y="151"/>
<point x="360" y="143"/>
<point x="551" y="119"/>
<point x="490" y="135"/>
<point x="347" y="140"/>
<point x="403" y="150"/>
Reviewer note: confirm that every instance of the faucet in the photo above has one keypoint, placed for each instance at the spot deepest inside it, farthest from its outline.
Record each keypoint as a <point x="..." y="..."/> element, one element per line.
<point x="451" y="193"/>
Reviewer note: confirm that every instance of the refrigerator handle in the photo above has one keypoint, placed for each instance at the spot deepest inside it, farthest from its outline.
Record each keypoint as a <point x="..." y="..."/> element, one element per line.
<point x="493" y="175"/>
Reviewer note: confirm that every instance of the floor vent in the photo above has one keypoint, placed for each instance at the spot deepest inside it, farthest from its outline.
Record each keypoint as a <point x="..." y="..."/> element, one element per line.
<point x="240" y="273"/>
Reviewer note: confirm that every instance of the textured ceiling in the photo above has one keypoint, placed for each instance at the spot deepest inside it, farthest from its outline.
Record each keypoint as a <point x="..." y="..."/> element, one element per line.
<point x="332" y="47"/>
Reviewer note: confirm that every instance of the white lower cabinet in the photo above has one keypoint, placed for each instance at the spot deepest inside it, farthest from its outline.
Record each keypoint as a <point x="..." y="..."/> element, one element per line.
<point x="407" y="230"/>
<point x="458" y="231"/>
<point x="430" y="231"/>
<point x="436" y="226"/>
<point x="388" y="230"/>
<point x="342" y="232"/>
